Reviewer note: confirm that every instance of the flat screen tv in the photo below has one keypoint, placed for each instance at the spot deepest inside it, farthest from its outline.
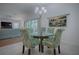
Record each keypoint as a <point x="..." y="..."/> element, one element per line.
<point x="6" y="25"/>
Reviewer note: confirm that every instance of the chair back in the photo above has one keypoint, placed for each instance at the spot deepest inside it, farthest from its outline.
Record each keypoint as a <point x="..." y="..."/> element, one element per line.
<point x="58" y="36"/>
<point x="50" y="30"/>
<point x="26" y="37"/>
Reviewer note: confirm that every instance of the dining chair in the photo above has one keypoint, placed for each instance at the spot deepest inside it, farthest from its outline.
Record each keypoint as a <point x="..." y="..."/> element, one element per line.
<point x="55" y="41"/>
<point x="28" y="40"/>
<point x="48" y="30"/>
<point x="50" y="33"/>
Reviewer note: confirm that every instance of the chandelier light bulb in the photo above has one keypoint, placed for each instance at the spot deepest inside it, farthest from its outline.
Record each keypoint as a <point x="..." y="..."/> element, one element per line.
<point x="42" y="8"/>
<point x="36" y="9"/>
<point x="45" y="11"/>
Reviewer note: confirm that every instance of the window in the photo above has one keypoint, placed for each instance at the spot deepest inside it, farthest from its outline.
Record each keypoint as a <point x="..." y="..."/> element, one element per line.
<point x="32" y="24"/>
<point x="15" y="25"/>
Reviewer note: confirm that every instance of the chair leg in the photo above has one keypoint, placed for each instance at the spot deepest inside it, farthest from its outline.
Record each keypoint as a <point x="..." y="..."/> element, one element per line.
<point x="39" y="47"/>
<point x="42" y="48"/>
<point x="54" y="51"/>
<point x="29" y="51"/>
<point x="23" y="49"/>
<point x="59" y="49"/>
<point x="47" y="47"/>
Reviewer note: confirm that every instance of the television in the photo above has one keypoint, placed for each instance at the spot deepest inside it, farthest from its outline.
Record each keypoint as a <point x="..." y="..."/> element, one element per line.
<point x="6" y="25"/>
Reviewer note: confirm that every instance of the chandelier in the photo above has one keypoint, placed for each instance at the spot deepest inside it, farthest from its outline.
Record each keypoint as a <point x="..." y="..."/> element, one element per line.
<point x="40" y="10"/>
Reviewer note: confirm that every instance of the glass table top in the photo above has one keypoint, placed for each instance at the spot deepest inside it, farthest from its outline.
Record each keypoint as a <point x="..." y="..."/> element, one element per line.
<point x="41" y="34"/>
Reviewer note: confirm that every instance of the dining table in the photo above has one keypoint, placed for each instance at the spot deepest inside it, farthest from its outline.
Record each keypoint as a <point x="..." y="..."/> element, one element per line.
<point x="41" y="37"/>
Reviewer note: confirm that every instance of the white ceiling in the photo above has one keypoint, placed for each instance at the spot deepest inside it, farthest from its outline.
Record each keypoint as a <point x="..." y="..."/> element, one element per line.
<point x="24" y="9"/>
<point x="7" y="8"/>
<point x="19" y="8"/>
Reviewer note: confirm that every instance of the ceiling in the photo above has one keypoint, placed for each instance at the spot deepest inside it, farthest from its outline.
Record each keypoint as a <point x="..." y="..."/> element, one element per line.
<point x="19" y="7"/>
<point x="23" y="9"/>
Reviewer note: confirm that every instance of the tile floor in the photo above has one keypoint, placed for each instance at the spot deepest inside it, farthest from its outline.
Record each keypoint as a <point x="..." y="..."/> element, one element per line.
<point x="16" y="49"/>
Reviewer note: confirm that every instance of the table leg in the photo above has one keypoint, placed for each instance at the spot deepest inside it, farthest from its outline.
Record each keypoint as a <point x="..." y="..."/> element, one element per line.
<point x="39" y="47"/>
<point x="42" y="47"/>
<point x="23" y="49"/>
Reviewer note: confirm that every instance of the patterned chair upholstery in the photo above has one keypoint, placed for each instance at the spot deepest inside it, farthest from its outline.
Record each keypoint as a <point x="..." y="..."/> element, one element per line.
<point x="50" y="32"/>
<point x="55" y="41"/>
<point x="28" y="40"/>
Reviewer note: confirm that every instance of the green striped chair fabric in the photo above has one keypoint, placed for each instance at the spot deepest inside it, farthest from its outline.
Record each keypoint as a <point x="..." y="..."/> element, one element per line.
<point x="28" y="40"/>
<point x="55" y="40"/>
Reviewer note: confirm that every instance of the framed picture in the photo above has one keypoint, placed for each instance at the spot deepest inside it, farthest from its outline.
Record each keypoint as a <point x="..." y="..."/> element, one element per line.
<point x="58" y="21"/>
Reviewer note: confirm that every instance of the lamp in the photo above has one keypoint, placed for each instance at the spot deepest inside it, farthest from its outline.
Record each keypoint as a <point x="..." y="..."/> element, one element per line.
<point x="40" y="11"/>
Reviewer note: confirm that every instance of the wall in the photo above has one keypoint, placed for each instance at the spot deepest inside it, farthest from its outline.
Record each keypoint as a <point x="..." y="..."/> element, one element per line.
<point x="9" y="33"/>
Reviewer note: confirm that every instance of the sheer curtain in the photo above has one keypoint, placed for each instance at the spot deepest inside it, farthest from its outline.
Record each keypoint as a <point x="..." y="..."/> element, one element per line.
<point x="33" y="25"/>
